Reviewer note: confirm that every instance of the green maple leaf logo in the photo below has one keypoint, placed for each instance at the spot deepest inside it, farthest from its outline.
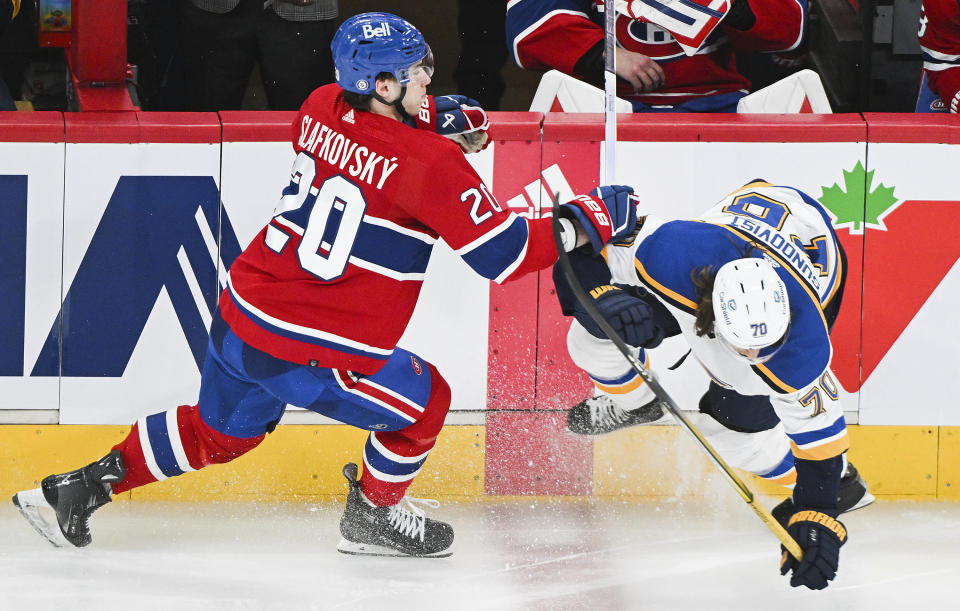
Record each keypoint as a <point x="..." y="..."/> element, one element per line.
<point x="854" y="205"/>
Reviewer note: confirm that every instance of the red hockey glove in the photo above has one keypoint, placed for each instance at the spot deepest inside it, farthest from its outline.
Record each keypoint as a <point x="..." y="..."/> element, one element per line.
<point x="607" y="213"/>
<point x="457" y="117"/>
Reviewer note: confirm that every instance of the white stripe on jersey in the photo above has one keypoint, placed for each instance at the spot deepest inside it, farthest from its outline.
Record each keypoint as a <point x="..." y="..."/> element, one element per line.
<point x="294" y="328"/>
<point x="942" y="57"/>
<point x="386" y="477"/>
<point x="393" y="456"/>
<point x="504" y="226"/>
<point x="392" y="393"/>
<point x="272" y="242"/>
<point x="173" y="433"/>
<point x="516" y="262"/>
<point x="147" y="449"/>
<point x="385" y="271"/>
<point x="297" y="229"/>
<point x="383" y="404"/>
<point x="412" y="233"/>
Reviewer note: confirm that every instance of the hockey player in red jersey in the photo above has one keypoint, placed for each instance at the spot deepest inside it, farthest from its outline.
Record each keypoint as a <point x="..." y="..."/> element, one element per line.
<point x="315" y="305"/>
<point x="939" y="36"/>
<point x="655" y="73"/>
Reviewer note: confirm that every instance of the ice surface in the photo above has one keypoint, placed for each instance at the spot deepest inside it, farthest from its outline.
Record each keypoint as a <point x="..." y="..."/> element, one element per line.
<point x="509" y="554"/>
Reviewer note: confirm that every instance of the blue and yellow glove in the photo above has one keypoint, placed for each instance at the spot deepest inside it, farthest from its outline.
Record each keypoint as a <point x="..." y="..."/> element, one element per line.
<point x="820" y="537"/>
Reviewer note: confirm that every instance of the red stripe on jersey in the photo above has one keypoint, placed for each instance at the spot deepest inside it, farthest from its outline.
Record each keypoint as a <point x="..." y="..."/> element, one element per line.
<point x="206" y="446"/>
<point x="292" y="350"/>
<point x="376" y="395"/>
<point x="202" y="445"/>
<point x="138" y="473"/>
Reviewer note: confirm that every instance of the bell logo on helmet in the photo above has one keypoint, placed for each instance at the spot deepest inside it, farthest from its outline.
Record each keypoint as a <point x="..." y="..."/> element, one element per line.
<point x="362" y="85"/>
<point x="371" y="32"/>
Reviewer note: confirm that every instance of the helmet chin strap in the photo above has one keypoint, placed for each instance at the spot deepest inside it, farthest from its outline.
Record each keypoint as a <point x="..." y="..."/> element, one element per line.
<point x="398" y="103"/>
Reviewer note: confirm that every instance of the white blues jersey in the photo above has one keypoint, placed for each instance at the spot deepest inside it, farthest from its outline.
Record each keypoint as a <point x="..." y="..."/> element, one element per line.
<point x="792" y="231"/>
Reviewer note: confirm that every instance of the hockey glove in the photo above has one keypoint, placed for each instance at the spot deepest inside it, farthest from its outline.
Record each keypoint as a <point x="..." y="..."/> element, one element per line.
<point x="628" y="315"/>
<point x="607" y="213"/>
<point x="820" y="538"/>
<point x="457" y="117"/>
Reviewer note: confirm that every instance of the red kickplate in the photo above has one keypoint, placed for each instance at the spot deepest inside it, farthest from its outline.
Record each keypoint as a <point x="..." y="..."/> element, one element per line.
<point x="560" y="383"/>
<point x="532" y="453"/>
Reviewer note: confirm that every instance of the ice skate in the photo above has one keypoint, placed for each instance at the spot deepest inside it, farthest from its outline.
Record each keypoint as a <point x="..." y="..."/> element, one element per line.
<point x="854" y="494"/>
<point x="599" y="415"/>
<point x="395" y="530"/>
<point x="61" y="507"/>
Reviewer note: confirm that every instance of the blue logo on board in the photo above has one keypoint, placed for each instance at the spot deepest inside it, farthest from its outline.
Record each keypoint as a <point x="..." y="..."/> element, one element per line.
<point x="155" y="232"/>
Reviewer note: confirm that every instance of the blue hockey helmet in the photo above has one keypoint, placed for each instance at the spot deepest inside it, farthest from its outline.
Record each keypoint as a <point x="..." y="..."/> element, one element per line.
<point x="368" y="44"/>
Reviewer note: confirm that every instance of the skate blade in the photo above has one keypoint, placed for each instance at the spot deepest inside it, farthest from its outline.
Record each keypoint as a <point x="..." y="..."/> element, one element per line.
<point x="38" y="512"/>
<point x="865" y="500"/>
<point x="367" y="549"/>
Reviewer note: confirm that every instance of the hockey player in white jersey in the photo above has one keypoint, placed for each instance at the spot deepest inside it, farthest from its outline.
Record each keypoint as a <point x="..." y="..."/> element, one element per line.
<point x="754" y="286"/>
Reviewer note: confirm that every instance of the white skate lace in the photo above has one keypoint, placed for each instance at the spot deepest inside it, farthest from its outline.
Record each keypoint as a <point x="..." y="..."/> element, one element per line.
<point x="604" y="412"/>
<point x="410" y="520"/>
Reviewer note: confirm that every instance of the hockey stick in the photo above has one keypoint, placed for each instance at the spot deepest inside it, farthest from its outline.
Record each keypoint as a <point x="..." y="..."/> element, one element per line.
<point x="762" y="512"/>
<point x="610" y="91"/>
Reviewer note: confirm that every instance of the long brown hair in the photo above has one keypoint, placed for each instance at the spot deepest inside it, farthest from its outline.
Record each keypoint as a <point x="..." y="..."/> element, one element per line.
<point x="703" y="278"/>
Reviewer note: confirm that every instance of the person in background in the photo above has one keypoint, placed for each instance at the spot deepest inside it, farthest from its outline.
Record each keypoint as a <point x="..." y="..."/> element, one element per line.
<point x="8" y="10"/>
<point x="939" y="36"/>
<point x="223" y="39"/>
<point x="483" y="51"/>
<point x="655" y="72"/>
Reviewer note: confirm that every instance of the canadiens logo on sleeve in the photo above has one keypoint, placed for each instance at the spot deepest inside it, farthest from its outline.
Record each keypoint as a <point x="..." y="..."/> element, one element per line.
<point x="416" y="365"/>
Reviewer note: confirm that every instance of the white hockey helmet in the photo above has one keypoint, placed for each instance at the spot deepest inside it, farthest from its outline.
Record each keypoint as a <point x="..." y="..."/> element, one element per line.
<point x="751" y="309"/>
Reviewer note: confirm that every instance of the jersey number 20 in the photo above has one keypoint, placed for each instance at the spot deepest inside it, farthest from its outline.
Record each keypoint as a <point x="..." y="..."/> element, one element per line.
<point x="335" y="210"/>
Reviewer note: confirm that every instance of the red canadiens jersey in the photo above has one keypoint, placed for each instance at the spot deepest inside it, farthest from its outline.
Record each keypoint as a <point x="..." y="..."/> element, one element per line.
<point x="555" y="34"/>
<point x="940" y="43"/>
<point x="333" y="278"/>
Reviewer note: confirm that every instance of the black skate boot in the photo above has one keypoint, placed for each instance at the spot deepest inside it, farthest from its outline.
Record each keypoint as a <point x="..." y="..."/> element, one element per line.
<point x="60" y="508"/>
<point x="394" y="530"/>
<point x="853" y="495"/>
<point x="599" y="415"/>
